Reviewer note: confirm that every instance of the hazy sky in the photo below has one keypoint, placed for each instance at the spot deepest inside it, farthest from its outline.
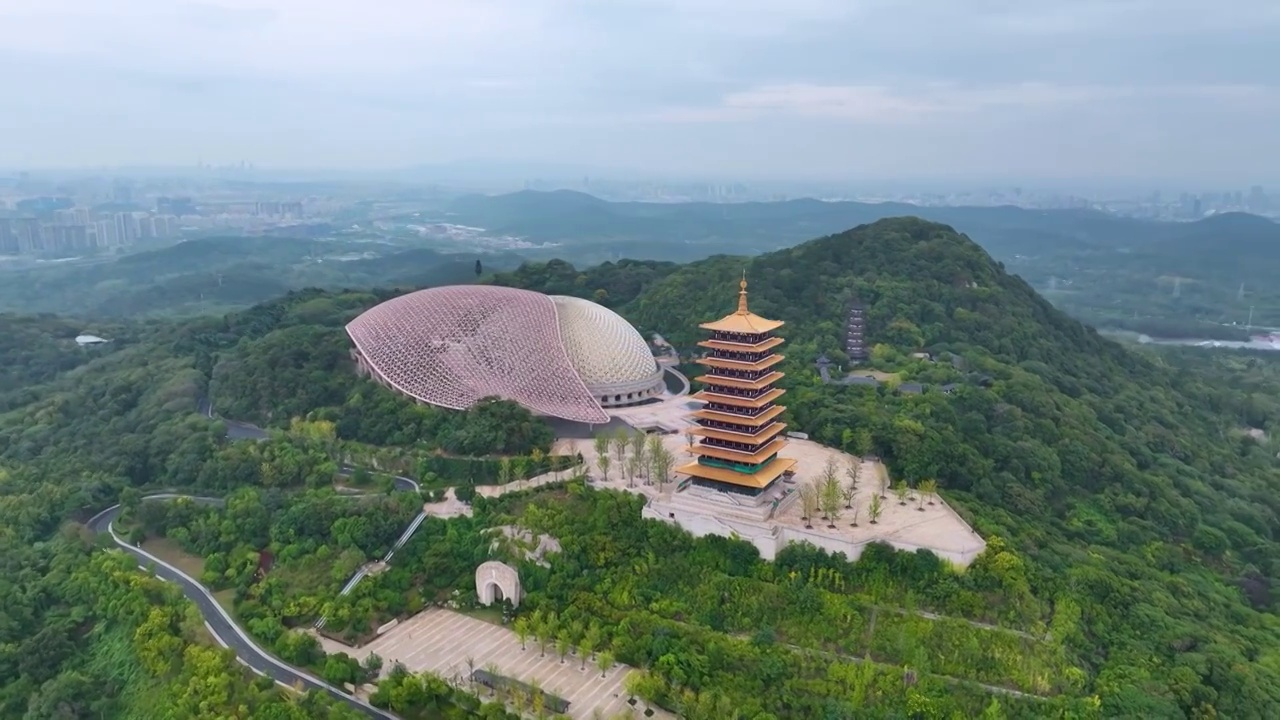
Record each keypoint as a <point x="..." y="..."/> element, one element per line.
<point x="1177" y="89"/>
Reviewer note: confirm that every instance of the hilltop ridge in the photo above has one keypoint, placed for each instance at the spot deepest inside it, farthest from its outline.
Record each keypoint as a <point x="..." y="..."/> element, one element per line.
<point x="1130" y="519"/>
<point x="1107" y="469"/>
<point x="1111" y="271"/>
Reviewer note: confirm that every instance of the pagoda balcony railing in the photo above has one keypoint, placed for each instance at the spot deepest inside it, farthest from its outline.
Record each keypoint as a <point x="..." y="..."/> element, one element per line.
<point x="750" y="375"/>
<point x="735" y="410"/>
<point x="744" y="340"/>
<point x="742" y="357"/>
<point x="746" y="448"/>
<point x="740" y="338"/>
<point x="735" y="392"/>
<point x="735" y="429"/>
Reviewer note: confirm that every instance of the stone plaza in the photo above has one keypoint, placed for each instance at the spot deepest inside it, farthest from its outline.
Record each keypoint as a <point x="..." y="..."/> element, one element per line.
<point x="451" y="645"/>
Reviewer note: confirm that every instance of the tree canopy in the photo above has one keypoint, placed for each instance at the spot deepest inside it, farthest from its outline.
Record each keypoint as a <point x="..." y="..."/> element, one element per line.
<point x="1118" y="476"/>
<point x="1128" y="499"/>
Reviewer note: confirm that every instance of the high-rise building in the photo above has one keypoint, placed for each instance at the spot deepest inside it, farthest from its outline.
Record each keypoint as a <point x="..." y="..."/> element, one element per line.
<point x="105" y="234"/>
<point x="65" y="238"/>
<point x="1257" y="199"/>
<point x="29" y="237"/>
<point x="8" y="241"/>
<point x="739" y="428"/>
<point x="127" y="228"/>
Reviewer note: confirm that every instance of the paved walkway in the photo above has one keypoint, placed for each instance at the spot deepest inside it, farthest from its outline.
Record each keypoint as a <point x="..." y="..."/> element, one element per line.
<point x="440" y="641"/>
<point x="937" y="528"/>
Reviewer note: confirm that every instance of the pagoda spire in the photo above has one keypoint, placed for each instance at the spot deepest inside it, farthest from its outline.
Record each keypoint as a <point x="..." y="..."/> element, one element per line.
<point x="742" y="294"/>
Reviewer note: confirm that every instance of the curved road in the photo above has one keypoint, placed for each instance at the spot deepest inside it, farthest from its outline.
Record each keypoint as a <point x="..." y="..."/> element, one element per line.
<point x="679" y="376"/>
<point x="224" y="629"/>
<point x="401" y="482"/>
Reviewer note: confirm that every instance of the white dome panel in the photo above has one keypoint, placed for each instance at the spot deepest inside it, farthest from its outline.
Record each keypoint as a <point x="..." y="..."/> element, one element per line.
<point x="608" y="353"/>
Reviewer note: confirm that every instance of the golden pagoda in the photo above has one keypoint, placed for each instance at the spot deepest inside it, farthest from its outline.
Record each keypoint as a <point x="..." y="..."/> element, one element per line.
<point x="740" y="434"/>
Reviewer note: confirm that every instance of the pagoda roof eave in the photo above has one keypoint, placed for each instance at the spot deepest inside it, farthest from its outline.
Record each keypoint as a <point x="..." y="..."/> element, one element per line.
<point x="745" y="421"/>
<point x="765" y="399"/>
<point x="731" y="346"/>
<point x="746" y="323"/>
<point x="761" y="433"/>
<point x="767" y="380"/>
<point x="759" y="479"/>
<point x="773" y="446"/>
<point x="721" y="363"/>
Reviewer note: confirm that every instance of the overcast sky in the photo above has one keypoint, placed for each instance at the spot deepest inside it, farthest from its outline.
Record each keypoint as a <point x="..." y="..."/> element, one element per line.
<point x="1175" y="89"/>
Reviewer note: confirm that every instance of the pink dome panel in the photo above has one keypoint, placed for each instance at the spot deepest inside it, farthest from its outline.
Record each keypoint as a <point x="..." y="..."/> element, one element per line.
<point x="451" y="346"/>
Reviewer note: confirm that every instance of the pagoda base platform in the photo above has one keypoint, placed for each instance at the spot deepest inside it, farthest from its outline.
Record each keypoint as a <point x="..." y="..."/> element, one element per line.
<point x="772" y="520"/>
<point x="730" y="488"/>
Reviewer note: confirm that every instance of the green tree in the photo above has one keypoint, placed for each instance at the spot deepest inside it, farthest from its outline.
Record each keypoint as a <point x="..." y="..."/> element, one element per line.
<point x="875" y="509"/>
<point x="640" y="451"/>
<point x="809" y="500"/>
<point x="522" y="630"/>
<point x="829" y="492"/>
<point x="604" y="661"/>
<point x="901" y="490"/>
<point x="929" y="488"/>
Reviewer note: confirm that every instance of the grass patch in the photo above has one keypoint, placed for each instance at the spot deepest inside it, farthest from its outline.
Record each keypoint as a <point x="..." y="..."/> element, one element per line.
<point x="491" y="614"/>
<point x="877" y="374"/>
<point x="226" y="598"/>
<point x="554" y="492"/>
<point x="170" y="552"/>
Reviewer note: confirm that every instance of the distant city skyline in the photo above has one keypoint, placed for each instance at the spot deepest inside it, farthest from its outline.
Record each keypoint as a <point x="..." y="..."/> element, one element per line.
<point x="807" y="90"/>
<point x="508" y="177"/>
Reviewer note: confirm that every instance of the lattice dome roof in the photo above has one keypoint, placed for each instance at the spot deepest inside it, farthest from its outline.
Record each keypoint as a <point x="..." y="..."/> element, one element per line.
<point x="451" y="346"/>
<point x="604" y="348"/>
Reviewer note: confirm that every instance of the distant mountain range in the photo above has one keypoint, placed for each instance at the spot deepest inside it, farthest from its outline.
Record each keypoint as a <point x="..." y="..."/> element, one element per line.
<point x="576" y="218"/>
<point x="1155" y="277"/>
<point x="1100" y="267"/>
<point x="217" y="274"/>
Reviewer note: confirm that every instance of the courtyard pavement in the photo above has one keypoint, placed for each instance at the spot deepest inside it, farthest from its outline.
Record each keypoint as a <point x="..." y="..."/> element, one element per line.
<point x="440" y="641"/>
<point x="936" y="527"/>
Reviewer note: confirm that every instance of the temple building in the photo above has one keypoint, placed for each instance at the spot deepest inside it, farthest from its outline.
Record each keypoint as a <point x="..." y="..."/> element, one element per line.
<point x="739" y="430"/>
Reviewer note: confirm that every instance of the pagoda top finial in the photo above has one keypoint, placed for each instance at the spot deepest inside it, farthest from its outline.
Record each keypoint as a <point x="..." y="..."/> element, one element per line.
<point x="742" y="294"/>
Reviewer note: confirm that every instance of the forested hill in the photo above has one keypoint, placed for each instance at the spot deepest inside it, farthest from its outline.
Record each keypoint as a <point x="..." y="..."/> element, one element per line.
<point x="1131" y="519"/>
<point x="211" y="276"/>
<point x="1129" y="485"/>
<point x="1108" y="270"/>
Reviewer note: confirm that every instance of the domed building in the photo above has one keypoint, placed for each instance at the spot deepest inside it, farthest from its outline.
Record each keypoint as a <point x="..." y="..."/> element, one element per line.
<point x="556" y="355"/>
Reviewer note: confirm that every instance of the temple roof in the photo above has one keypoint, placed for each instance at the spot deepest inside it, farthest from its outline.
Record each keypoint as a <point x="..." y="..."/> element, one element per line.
<point x="743" y="321"/>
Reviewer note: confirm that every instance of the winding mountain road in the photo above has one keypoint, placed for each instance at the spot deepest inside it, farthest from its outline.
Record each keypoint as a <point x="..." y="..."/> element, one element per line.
<point x="220" y="623"/>
<point x="402" y="482"/>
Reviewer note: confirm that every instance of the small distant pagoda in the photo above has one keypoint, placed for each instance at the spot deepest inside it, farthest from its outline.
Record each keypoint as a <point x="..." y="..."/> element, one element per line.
<point x="855" y="343"/>
<point x="740" y="434"/>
